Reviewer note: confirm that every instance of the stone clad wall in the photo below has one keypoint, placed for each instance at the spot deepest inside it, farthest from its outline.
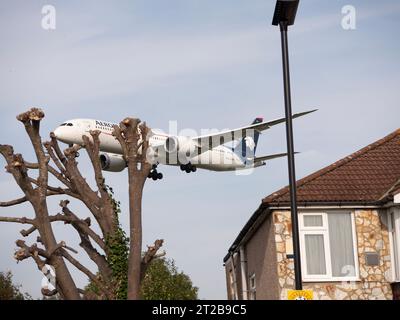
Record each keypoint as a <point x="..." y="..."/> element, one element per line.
<point x="372" y="236"/>
<point x="283" y="232"/>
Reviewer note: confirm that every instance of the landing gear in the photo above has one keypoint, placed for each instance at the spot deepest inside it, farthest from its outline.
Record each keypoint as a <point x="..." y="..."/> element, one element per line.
<point x="154" y="174"/>
<point x="188" y="168"/>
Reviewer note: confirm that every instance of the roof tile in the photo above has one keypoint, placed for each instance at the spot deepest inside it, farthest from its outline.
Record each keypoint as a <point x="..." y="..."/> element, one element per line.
<point x="367" y="176"/>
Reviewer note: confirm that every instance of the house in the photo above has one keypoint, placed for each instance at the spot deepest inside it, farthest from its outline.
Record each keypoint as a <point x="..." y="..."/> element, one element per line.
<point x="349" y="225"/>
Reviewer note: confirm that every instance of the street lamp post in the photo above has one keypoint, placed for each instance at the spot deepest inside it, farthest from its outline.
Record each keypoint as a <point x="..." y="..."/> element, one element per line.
<point x="284" y="16"/>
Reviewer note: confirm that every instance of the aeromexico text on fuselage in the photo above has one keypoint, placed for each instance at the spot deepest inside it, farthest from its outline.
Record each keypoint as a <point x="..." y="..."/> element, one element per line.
<point x="104" y="124"/>
<point x="189" y="153"/>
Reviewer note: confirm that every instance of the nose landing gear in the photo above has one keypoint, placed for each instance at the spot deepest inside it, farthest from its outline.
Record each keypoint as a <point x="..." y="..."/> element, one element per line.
<point x="154" y="174"/>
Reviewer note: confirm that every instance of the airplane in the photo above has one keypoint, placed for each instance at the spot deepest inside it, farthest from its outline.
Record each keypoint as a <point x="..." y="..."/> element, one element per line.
<point x="208" y="152"/>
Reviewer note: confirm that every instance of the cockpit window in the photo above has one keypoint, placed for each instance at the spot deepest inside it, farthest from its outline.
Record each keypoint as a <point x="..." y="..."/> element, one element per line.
<point x="66" y="124"/>
<point x="63" y="124"/>
<point x="69" y="124"/>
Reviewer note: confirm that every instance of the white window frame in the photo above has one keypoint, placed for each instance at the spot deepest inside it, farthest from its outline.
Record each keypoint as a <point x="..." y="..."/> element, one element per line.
<point x="394" y="236"/>
<point x="324" y="231"/>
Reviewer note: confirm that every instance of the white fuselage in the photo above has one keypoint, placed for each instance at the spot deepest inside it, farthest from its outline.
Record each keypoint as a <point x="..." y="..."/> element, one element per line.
<point x="220" y="158"/>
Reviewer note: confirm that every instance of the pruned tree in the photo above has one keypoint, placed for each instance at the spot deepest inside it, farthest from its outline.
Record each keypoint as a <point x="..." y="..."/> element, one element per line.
<point x="130" y="133"/>
<point x="101" y="246"/>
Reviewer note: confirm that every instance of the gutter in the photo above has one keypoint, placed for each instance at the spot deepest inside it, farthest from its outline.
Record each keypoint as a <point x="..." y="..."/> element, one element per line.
<point x="235" y="286"/>
<point x="325" y="204"/>
<point x="327" y="207"/>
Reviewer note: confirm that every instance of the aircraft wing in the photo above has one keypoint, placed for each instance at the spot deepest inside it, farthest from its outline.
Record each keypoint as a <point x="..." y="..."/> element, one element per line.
<point x="208" y="142"/>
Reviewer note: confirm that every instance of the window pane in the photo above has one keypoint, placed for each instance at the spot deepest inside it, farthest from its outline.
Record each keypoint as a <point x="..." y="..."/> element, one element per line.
<point x="315" y="254"/>
<point x="341" y="243"/>
<point x="312" y="221"/>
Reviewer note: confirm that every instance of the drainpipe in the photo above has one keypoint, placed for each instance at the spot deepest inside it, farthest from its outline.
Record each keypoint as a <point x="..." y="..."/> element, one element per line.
<point x="243" y="270"/>
<point x="235" y="290"/>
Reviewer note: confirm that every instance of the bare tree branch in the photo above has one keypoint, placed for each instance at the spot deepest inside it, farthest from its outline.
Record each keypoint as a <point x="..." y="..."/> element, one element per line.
<point x="87" y="272"/>
<point x="26" y="233"/>
<point x="16" y="166"/>
<point x="18" y="220"/>
<point x="81" y="225"/>
<point x="57" y="150"/>
<point x="88" y="196"/>
<point x="119" y="135"/>
<point x="93" y="149"/>
<point x="150" y="255"/>
<point x="13" y="202"/>
<point x="59" y="246"/>
<point x="48" y="145"/>
<point x="53" y="171"/>
<point x="56" y="190"/>
<point x="31" y="120"/>
<point x="30" y="252"/>
<point x="53" y="192"/>
<point x="99" y="259"/>
<point x="59" y="176"/>
<point x="34" y="252"/>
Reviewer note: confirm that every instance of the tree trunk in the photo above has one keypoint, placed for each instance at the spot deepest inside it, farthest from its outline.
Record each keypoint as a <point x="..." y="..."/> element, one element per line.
<point x="136" y="184"/>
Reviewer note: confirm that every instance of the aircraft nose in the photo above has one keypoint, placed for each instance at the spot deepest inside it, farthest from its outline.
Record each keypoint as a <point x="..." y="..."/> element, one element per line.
<point x="60" y="134"/>
<point x="57" y="132"/>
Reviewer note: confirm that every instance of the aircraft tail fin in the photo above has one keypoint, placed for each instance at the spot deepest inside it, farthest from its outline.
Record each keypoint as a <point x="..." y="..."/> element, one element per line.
<point x="246" y="148"/>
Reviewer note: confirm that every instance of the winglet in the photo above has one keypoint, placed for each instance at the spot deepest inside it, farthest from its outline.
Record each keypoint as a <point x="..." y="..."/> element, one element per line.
<point x="296" y="115"/>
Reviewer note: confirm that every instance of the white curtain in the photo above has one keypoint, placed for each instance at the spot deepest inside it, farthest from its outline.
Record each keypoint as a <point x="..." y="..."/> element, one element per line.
<point x="315" y="254"/>
<point x="341" y="243"/>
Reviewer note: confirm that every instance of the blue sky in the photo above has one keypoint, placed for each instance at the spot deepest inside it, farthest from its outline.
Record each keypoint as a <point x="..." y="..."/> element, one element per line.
<point x="204" y="64"/>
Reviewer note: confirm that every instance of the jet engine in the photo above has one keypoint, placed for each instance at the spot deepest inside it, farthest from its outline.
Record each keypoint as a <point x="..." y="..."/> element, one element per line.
<point x="112" y="162"/>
